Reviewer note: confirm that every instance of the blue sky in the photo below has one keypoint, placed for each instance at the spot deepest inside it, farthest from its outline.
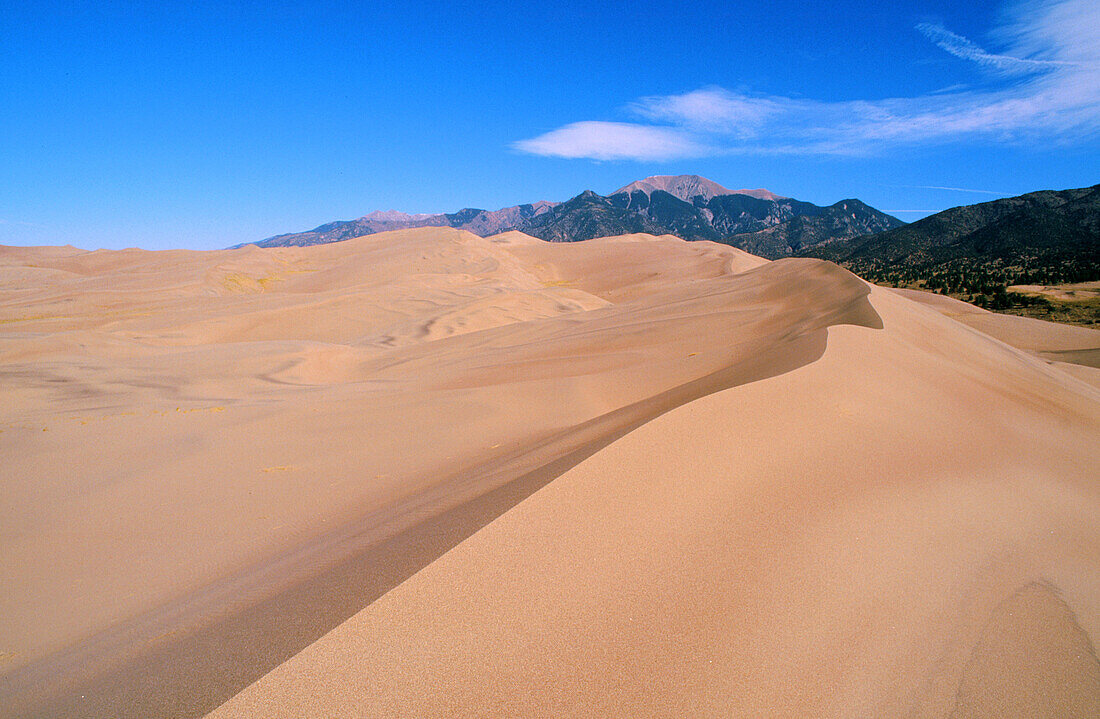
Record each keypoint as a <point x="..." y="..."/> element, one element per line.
<point x="206" y="124"/>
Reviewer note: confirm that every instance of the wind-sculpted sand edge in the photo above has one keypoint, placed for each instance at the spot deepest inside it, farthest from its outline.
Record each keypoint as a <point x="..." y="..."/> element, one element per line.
<point x="198" y="649"/>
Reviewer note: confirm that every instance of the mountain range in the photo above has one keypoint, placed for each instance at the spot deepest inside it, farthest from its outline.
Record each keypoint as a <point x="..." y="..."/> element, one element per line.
<point x="480" y="222"/>
<point x="971" y="251"/>
<point x="689" y="206"/>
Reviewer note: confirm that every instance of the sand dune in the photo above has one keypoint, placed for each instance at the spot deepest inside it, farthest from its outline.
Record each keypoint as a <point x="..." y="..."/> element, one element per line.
<point x="1049" y="340"/>
<point x="424" y="473"/>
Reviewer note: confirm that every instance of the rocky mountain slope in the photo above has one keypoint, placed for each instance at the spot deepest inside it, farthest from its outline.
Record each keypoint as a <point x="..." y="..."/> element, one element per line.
<point x="843" y="220"/>
<point x="1042" y="237"/>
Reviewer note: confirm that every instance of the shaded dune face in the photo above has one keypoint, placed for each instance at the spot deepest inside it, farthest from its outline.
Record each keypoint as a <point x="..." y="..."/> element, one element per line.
<point x="424" y="473"/>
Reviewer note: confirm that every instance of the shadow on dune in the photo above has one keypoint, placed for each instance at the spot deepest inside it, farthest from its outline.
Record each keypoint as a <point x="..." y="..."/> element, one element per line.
<point x="240" y="628"/>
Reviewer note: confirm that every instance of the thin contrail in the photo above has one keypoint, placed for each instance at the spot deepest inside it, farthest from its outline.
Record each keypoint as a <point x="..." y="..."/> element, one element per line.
<point x="955" y="189"/>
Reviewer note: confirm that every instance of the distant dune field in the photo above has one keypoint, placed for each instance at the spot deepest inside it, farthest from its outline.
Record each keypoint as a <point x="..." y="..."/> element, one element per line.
<point x="423" y="473"/>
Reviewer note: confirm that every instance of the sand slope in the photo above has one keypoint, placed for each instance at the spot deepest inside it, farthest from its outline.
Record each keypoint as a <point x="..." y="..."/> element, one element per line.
<point x="906" y="527"/>
<point x="424" y="473"/>
<point x="1049" y="340"/>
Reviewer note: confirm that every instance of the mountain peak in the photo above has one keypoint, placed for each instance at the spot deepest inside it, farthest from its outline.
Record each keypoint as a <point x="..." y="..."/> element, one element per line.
<point x="688" y="187"/>
<point x="395" y="216"/>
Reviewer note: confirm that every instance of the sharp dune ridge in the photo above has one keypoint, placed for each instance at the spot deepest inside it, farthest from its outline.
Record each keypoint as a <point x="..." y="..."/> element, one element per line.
<point x="426" y="473"/>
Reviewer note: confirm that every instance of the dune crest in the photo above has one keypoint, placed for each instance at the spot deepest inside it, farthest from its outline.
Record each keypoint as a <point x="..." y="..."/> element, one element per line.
<point x="806" y="555"/>
<point x="428" y="473"/>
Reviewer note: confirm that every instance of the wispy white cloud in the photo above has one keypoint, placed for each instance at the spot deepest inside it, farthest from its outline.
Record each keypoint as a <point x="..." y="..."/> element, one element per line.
<point x="711" y="109"/>
<point x="614" y="141"/>
<point x="1048" y="88"/>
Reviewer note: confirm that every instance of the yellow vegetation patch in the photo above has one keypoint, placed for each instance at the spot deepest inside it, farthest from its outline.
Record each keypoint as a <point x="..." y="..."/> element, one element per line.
<point x="32" y="318"/>
<point x="237" y="282"/>
<point x="107" y="314"/>
<point x="246" y="284"/>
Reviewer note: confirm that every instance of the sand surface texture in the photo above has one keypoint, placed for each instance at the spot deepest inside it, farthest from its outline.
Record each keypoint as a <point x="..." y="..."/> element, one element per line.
<point x="423" y="473"/>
